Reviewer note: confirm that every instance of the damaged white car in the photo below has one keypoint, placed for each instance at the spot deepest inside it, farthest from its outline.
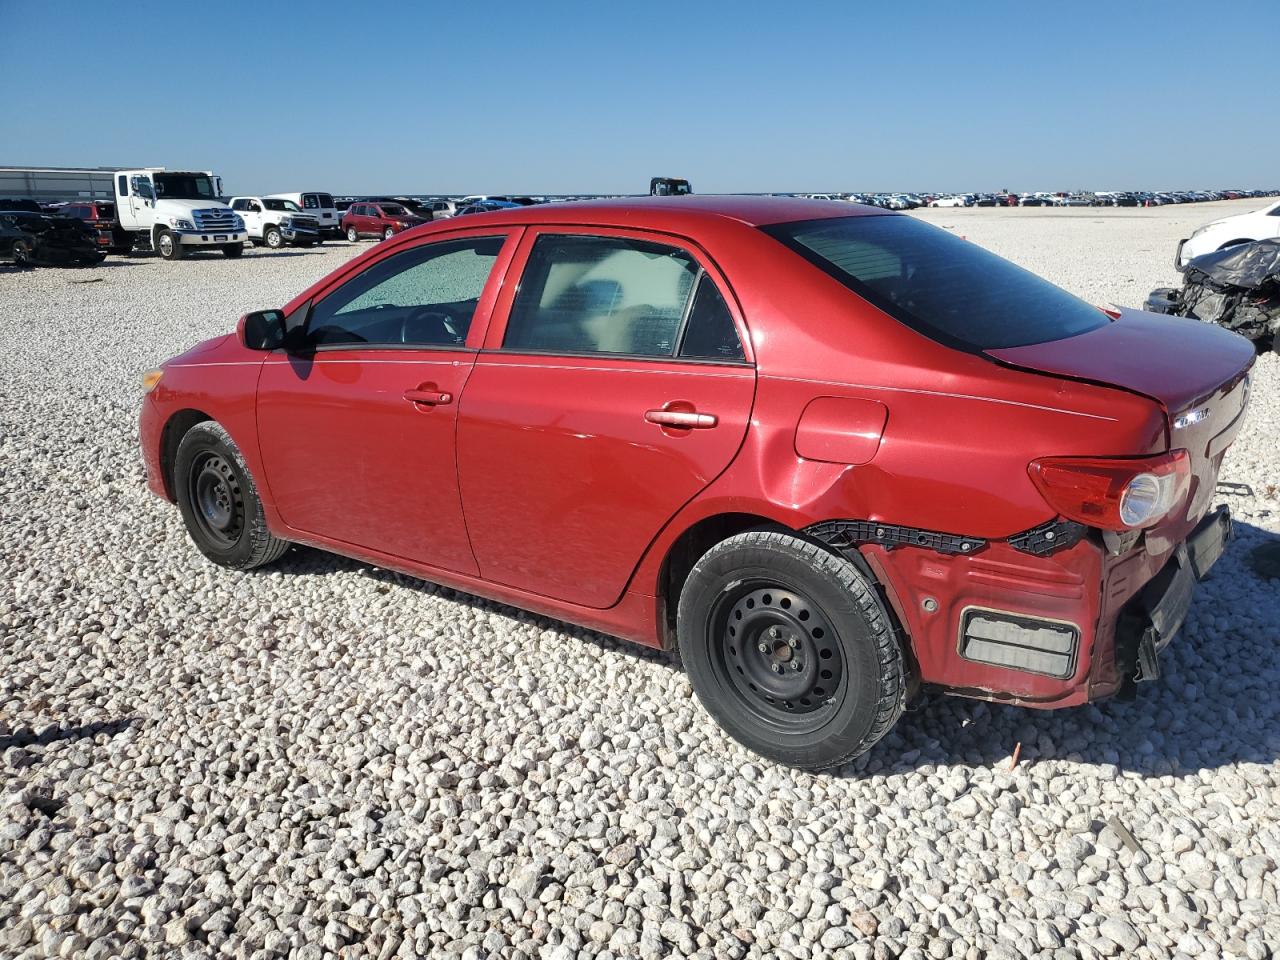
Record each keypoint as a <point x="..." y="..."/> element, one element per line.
<point x="1261" y="224"/>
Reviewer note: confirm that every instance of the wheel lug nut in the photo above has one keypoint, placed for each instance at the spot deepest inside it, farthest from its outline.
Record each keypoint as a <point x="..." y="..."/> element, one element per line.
<point x="796" y="665"/>
<point x="763" y="648"/>
<point x="793" y="642"/>
<point x="777" y="668"/>
<point x="774" y="632"/>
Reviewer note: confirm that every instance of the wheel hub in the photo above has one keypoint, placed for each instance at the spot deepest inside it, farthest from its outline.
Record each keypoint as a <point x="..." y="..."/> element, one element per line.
<point x="217" y="499"/>
<point x="779" y="652"/>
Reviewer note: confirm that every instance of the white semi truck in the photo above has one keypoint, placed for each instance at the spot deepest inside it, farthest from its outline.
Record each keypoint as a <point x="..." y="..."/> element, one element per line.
<point x="177" y="210"/>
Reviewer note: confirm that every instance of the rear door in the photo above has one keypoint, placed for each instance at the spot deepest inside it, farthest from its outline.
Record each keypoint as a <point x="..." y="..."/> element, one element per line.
<point x="613" y="387"/>
<point x="357" y="424"/>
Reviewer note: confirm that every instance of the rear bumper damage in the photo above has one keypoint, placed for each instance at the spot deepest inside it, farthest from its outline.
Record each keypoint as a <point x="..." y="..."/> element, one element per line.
<point x="1038" y="622"/>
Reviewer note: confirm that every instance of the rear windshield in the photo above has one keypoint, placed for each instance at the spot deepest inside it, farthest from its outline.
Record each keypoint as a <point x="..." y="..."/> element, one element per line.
<point x="313" y="201"/>
<point x="949" y="289"/>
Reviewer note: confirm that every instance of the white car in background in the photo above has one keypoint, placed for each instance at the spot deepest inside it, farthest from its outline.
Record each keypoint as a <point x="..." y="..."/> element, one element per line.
<point x="956" y="201"/>
<point x="315" y="203"/>
<point x="1246" y="227"/>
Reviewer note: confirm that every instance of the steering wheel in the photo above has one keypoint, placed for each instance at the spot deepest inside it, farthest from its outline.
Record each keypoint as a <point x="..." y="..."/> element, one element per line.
<point x="439" y="327"/>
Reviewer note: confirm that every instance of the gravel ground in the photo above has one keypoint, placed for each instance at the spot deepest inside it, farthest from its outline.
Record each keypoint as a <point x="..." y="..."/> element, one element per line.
<point x="327" y="759"/>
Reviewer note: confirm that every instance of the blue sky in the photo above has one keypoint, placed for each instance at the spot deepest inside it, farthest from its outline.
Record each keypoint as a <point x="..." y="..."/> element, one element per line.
<point x="598" y="96"/>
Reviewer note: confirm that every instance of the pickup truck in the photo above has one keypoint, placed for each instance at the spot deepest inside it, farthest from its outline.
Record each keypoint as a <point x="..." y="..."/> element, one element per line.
<point x="316" y="204"/>
<point x="275" y="222"/>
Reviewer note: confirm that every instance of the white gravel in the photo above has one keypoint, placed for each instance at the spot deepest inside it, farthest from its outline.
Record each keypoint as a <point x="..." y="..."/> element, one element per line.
<point x="331" y="760"/>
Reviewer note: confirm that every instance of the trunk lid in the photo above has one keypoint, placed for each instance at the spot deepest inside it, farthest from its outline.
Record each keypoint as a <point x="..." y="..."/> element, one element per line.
<point x="1197" y="371"/>
<point x="1174" y="360"/>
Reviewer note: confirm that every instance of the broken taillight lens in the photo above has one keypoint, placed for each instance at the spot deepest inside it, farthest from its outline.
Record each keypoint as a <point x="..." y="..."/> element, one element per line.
<point x="1114" y="493"/>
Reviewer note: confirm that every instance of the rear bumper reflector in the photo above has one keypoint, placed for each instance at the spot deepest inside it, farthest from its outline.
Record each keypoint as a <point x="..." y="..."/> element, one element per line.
<point x="1017" y="642"/>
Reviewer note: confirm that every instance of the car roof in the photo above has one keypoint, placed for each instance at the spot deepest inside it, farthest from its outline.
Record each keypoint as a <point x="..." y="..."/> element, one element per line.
<point x="675" y="213"/>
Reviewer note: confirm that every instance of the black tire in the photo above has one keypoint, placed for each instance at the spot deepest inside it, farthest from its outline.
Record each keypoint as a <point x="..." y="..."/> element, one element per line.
<point x="219" y="501"/>
<point x="808" y="607"/>
<point x="233" y="250"/>
<point x="22" y="254"/>
<point x="272" y="237"/>
<point x="388" y="233"/>
<point x="167" y="245"/>
<point x="352" y="235"/>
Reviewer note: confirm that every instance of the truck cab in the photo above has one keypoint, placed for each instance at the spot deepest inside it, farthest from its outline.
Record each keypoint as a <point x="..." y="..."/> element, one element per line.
<point x="177" y="210"/>
<point x="669" y="187"/>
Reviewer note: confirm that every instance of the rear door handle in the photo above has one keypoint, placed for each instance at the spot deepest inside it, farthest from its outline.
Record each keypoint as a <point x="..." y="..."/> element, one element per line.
<point x="685" y="419"/>
<point x="429" y="397"/>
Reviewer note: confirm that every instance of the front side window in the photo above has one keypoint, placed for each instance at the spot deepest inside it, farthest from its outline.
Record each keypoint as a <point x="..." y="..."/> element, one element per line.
<point x="583" y="294"/>
<point x="948" y="289"/>
<point x="425" y="296"/>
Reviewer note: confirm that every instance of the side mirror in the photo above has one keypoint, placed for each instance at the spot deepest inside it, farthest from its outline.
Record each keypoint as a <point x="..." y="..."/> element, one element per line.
<point x="262" y="330"/>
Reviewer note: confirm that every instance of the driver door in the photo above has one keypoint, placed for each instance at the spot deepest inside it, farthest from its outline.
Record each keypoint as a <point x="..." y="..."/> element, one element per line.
<point x="357" y="420"/>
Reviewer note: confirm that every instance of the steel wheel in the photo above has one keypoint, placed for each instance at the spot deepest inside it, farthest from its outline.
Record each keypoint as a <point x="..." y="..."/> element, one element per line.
<point x="274" y="238"/>
<point x="217" y="498"/>
<point x="778" y="654"/>
<point x="166" y="244"/>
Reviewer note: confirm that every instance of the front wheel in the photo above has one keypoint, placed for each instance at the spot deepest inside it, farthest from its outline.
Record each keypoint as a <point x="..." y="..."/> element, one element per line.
<point x="273" y="238"/>
<point x="168" y="246"/>
<point x="219" y="501"/>
<point x="21" y="253"/>
<point x="352" y="235"/>
<point x="233" y="250"/>
<point x="388" y="233"/>
<point x="789" y="647"/>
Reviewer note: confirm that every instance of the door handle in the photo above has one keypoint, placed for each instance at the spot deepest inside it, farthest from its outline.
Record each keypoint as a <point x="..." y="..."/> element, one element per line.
<point x="686" y="419"/>
<point x="430" y="398"/>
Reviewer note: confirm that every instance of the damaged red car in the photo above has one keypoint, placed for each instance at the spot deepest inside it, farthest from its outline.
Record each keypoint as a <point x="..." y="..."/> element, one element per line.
<point x="831" y="453"/>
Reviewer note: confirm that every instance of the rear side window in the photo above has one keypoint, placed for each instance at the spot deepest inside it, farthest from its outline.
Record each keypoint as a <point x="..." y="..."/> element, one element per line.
<point x="582" y="294"/>
<point x="949" y="289"/>
<point x="709" y="333"/>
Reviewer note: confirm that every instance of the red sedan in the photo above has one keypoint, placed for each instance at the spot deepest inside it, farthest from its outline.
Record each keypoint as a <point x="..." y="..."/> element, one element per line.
<point x="830" y="452"/>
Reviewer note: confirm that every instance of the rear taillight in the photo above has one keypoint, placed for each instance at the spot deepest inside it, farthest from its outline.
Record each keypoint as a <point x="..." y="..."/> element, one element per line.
<point x="1114" y="494"/>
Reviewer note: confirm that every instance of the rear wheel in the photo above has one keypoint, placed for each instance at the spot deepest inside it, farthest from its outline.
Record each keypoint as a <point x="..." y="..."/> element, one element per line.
<point x="168" y="246"/>
<point x="273" y="237"/>
<point x="219" y="501"/>
<point x="789" y="647"/>
<point x="352" y="235"/>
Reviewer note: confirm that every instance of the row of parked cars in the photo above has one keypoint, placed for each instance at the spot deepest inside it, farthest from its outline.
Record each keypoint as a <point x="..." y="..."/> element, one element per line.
<point x="83" y="233"/>
<point x="1044" y="198"/>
